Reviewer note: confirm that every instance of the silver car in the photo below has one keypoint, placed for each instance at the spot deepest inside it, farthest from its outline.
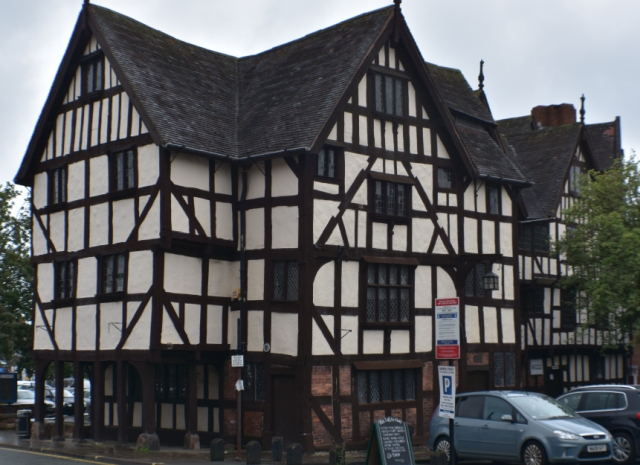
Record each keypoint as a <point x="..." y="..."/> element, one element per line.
<point x="517" y="426"/>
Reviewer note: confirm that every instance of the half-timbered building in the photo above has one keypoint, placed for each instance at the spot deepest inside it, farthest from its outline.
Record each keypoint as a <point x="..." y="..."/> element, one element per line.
<point x="304" y="206"/>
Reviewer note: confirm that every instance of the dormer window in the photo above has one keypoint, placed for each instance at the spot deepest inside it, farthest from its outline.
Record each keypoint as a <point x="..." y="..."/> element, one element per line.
<point x="93" y="75"/>
<point x="389" y="94"/>
<point x="574" y="179"/>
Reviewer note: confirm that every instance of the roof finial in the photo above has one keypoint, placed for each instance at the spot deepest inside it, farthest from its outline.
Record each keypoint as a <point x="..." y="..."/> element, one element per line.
<point x="397" y="3"/>
<point x="86" y="2"/>
<point x="582" y="112"/>
<point x="481" y="76"/>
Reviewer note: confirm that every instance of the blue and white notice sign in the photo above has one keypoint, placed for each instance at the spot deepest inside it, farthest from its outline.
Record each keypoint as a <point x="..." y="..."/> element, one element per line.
<point x="447" y="380"/>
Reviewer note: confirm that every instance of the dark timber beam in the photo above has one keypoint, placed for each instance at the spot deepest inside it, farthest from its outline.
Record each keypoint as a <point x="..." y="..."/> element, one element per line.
<point x="59" y="429"/>
<point x="78" y="393"/>
<point x="121" y="397"/>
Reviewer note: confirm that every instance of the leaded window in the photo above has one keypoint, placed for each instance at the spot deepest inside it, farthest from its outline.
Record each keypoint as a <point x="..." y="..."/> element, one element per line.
<point x="541" y="238"/>
<point x="171" y="381"/>
<point x="474" y="285"/>
<point x="254" y="386"/>
<point x="493" y="198"/>
<point x="445" y="178"/>
<point x="386" y="386"/>
<point x="568" y="308"/>
<point x="388" y="293"/>
<point x="124" y="170"/>
<point x="58" y="181"/>
<point x="113" y="269"/>
<point x="65" y="279"/>
<point x="504" y="369"/>
<point x="525" y="237"/>
<point x="93" y="75"/>
<point x="390" y="198"/>
<point x="328" y="163"/>
<point x="285" y="280"/>
<point x="574" y="179"/>
<point x="389" y="94"/>
<point x="532" y="299"/>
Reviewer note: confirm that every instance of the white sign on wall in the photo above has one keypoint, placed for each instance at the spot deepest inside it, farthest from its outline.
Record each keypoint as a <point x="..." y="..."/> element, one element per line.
<point x="447" y="380"/>
<point x="237" y="361"/>
<point x="536" y="366"/>
<point x="448" y="328"/>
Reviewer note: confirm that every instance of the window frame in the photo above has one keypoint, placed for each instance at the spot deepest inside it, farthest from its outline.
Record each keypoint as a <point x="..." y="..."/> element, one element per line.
<point x="373" y="199"/>
<point x="535" y="292"/>
<point x="476" y="275"/>
<point x="58" y="176"/>
<point x="497" y="189"/>
<point x="285" y="291"/>
<point x="88" y="63"/>
<point x="162" y="375"/>
<point x="255" y="389"/>
<point x="451" y="175"/>
<point x="575" y="172"/>
<point x="377" y="287"/>
<point x="385" y="77"/>
<point x="103" y="276"/>
<point x="544" y="248"/>
<point x="338" y="164"/>
<point x="65" y="270"/>
<point x="567" y="295"/>
<point x="370" y="376"/>
<point x="113" y="171"/>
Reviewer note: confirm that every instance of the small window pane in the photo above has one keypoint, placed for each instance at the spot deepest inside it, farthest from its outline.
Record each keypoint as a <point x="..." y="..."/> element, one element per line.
<point x="388" y="84"/>
<point x="321" y="162"/>
<point x="130" y="171"/>
<point x="108" y="274"/>
<point x="371" y="275"/>
<point x="404" y="305"/>
<point x="379" y="198"/>
<point x="374" y="386"/>
<point x="120" y="273"/>
<point x="292" y="281"/>
<point x="98" y="82"/>
<point x="382" y="274"/>
<point x="371" y="304"/>
<point x="510" y="369"/>
<point x="401" y="201"/>
<point x="493" y="200"/>
<point x="362" y="387"/>
<point x="410" y="385"/>
<point x="498" y="368"/>
<point x="393" y="274"/>
<point x="386" y="385"/>
<point x="445" y="178"/>
<point x="399" y="98"/>
<point x="404" y="275"/>
<point x="391" y="198"/>
<point x="393" y="304"/>
<point x="479" y="282"/>
<point x="382" y="304"/>
<point x="397" y="385"/>
<point x="278" y="280"/>
<point x="332" y="163"/>
<point x="379" y="93"/>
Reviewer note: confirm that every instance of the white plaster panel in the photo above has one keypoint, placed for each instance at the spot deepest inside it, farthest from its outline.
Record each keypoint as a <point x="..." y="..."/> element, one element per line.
<point x="323" y="285"/>
<point x="124" y="219"/>
<point x="400" y="169"/>
<point x="348" y="127"/>
<point x="255" y="280"/>
<point x="453" y="232"/>
<point x="63" y="329"/>
<point x="169" y="333"/>
<point x="115" y="110"/>
<point x="284" y="222"/>
<point x="40" y="190"/>
<point x="413" y="140"/>
<point x="416" y="200"/>
<point x="124" y="115"/>
<point x="379" y="235"/>
<point x="377" y="133"/>
<point x="441" y="150"/>
<point x="326" y="187"/>
<point x="392" y="58"/>
<point x="214" y="324"/>
<point x="220" y="279"/>
<point x="400" y="342"/>
<point x="445" y="286"/>
<point x="372" y="342"/>
<point x="399" y="238"/>
<point x="222" y="178"/>
<point x="179" y="219"/>
<point x="506" y="203"/>
<point x="284" y="333"/>
<point x="508" y="326"/>
<point x="255" y="329"/>
<point x="547" y="332"/>
<point x="202" y="208"/>
<point x="110" y="325"/>
<point x="182" y="274"/>
<point x="547" y="300"/>
<point x="68" y="125"/>
<point x="41" y="339"/>
<point x="506" y="240"/>
<point x="319" y="344"/>
<point x="350" y="284"/>
<point x="388" y="136"/>
<point x="95" y="126"/>
<point x="75" y="236"/>
<point x="412" y="99"/>
<point x="335" y="238"/>
<point x="85" y="129"/>
<point x="361" y="195"/>
<point x="86" y="327"/>
<point x="469" y="197"/>
<point x="75" y="181"/>
<point x="255" y="229"/>
<point x="166" y="416"/>
<point x="132" y="308"/>
<point x="426" y="140"/>
<point x="104" y="122"/>
<point x="363" y="131"/>
<point x="422" y="233"/>
<point x="490" y="325"/>
<point x="150" y="227"/>
<point x="203" y="419"/>
<point x="349" y="221"/>
<point x="508" y="282"/>
<point x="453" y="200"/>
<point x="78" y="130"/>
<point x="57" y="230"/>
<point x="470" y="235"/>
<point x="349" y="341"/>
<point x="224" y="221"/>
<point x="527" y="267"/>
<point x="87" y="277"/>
<point x="423" y="298"/>
<point x="99" y="175"/>
<point x="192" y="322"/>
<point x="442" y="199"/>
<point x="190" y="171"/>
<point x="283" y="180"/>
<point x="38" y="239"/>
<point x="439" y="246"/>
<point x="378" y="165"/>
<point x="382" y="58"/>
<point x="148" y="165"/>
<point x="99" y="225"/>
<point x="255" y="182"/>
<point x="424" y="174"/>
<point x="488" y="237"/>
<point x="323" y="210"/>
<point x="362" y="229"/>
<point x="472" y="324"/>
<point x="423" y="339"/>
<point x="362" y="92"/>
<point x="353" y="164"/>
<point x="333" y="135"/>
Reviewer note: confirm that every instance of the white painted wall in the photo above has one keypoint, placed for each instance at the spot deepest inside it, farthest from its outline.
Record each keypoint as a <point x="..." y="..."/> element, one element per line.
<point x="488" y="237"/>
<point x="75" y="234"/>
<point x="255" y="280"/>
<point x="423" y="298"/>
<point x="202" y="209"/>
<point x="75" y="181"/>
<point x="508" y="326"/>
<point x="349" y="342"/>
<point x="148" y="165"/>
<point x="284" y="232"/>
<point x="379" y="235"/>
<point x="470" y="235"/>
<point x="472" y="324"/>
<point x="110" y="325"/>
<point x="140" y="271"/>
<point x="150" y="227"/>
<point x="169" y="333"/>
<point x="192" y="322"/>
<point x="283" y="181"/>
<point x="99" y="175"/>
<point x="222" y="178"/>
<point x="87" y="277"/>
<point x="123" y="219"/>
<point x="255" y="330"/>
<point x="45" y="282"/>
<point x="323" y="285"/>
<point x="86" y="327"/>
<point x="424" y="334"/>
<point x="179" y="219"/>
<point x="319" y="344"/>
<point x="372" y="342"/>
<point x="224" y="221"/>
<point x="421" y="234"/>
<point x="490" y="325"/>
<point x="400" y="342"/>
<point x="63" y="329"/>
<point x="284" y="333"/>
<point x="445" y="286"/>
<point x="214" y="324"/>
<point x="99" y="225"/>
<point x="38" y="239"/>
<point x="182" y="274"/>
<point x="190" y="171"/>
<point x="40" y="190"/>
<point x="399" y="238"/>
<point x="57" y="230"/>
<point x="255" y="229"/>
<point x="350" y="284"/>
<point x="323" y="210"/>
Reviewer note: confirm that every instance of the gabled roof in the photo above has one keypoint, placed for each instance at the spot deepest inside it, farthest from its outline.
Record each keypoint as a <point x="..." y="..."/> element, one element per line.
<point x="605" y="142"/>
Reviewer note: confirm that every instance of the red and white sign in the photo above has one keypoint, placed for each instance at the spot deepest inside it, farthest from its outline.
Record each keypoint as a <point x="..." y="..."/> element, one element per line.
<point x="448" y="328"/>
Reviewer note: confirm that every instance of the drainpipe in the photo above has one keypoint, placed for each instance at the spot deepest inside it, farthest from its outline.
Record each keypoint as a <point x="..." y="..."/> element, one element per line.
<point x="243" y="306"/>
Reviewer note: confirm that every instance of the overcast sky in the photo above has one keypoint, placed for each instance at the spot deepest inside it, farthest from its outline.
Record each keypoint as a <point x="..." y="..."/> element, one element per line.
<point x="536" y="52"/>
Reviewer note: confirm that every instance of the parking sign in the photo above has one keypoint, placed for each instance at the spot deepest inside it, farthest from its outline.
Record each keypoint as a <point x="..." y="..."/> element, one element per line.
<point x="447" y="379"/>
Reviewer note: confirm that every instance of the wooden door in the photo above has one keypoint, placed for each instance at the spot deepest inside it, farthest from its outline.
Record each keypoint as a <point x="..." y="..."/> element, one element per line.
<point x="284" y="412"/>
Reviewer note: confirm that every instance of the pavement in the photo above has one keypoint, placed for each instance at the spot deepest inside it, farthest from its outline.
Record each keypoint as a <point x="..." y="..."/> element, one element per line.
<point x="112" y="453"/>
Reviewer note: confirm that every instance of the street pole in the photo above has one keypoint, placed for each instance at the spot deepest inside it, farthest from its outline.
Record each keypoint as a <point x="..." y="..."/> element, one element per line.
<point x="452" y="450"/>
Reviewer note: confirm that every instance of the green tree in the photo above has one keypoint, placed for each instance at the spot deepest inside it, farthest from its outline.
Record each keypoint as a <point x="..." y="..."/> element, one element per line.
<point x="16" y="278"/>
<point x="602" y="248"/>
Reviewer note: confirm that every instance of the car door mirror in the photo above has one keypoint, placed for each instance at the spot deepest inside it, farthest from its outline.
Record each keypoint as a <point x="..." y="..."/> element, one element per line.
<point x="507" y="418"/>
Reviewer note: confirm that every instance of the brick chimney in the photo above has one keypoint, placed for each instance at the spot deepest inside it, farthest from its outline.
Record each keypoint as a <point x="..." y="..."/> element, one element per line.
<point x="553" y="115"/>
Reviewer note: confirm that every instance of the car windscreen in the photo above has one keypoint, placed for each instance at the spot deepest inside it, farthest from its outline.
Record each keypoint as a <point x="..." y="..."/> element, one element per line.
<point x="542" y="407"/>
<point x="23" y="394"/>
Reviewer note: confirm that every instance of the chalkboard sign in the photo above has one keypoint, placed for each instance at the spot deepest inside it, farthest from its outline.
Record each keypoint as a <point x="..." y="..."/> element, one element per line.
<point x="390" y="443"/>
<point x="8" y="388"/>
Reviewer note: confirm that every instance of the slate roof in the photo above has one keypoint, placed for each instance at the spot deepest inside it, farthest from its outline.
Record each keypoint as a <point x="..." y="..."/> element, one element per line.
<point x="605" y="142"/>
<point x="276" y="100"/>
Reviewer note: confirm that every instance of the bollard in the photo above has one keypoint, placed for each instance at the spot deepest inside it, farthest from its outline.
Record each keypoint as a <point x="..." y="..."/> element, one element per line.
<point x="294" y="454"/>
<point x="254" y="450"/>
<point x="276" y="448"/>
<point x="216" y="450"/>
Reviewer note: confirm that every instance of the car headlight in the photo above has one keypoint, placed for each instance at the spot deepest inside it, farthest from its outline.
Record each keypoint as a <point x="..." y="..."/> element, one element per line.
<point x="566" y="435"/>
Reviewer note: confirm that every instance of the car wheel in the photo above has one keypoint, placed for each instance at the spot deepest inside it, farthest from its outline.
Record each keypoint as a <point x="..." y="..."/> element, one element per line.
<point x="623" y="448"/>
<point x="443" y="445"/>
<point x="533" y="454"/>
